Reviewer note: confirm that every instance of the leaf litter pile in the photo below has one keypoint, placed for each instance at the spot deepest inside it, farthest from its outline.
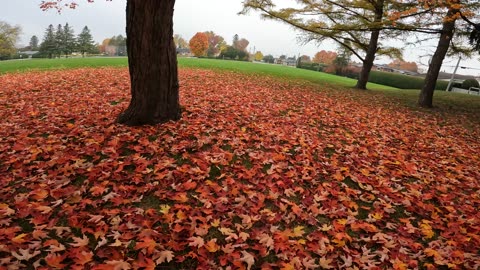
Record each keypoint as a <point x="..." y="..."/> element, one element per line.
<point x="258" y="173"/>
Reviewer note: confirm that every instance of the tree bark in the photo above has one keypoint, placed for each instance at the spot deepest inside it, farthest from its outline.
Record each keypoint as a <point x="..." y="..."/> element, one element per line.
<point x="152" y="63"/>
<point x="371" y="50"/>
<point x="426" y="94"/>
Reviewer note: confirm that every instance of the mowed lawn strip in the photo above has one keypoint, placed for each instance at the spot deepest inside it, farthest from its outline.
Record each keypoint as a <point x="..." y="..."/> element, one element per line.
<point x="237" y="66"/>
<point x="258" y="173"/>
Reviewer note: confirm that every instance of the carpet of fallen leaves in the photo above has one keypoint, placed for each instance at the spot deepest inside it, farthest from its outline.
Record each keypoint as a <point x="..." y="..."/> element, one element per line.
<point x="259" y="173"/>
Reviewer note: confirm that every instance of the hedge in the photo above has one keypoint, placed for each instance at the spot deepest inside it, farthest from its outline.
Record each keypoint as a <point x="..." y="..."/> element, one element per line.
<point x="402" y="81"/>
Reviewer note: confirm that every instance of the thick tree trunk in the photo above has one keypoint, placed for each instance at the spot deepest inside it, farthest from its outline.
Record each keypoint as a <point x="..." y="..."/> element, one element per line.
<point x="372" y="48"/>
<point x="426" y="94"/>
<point x="152" y="63"/>
<point x="368" y="61"/>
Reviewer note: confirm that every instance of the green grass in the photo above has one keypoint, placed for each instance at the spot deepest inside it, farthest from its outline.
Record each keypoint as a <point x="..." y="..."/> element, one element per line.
<point x="63" y="63"/>
<point x="245" y="67"/>
<point x="274" y="70"/>
<point x="444" y="102"/>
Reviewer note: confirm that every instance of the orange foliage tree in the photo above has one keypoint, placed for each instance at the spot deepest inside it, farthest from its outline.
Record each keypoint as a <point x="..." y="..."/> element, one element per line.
<point x="399" y="64"/>
<point x="199" y="44"/>
<point x="325" y="57"/>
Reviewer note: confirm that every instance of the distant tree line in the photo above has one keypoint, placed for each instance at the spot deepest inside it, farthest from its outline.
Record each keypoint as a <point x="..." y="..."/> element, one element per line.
<point x="61" y="41"/>
<point x="209" y="44"/>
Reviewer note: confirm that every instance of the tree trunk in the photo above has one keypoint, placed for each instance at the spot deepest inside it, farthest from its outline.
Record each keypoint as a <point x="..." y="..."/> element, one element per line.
<point x="426" y="94"/>
<point x="368" y="61"/>
<point x="372" y="49"/>
<point x="152" y="63"/>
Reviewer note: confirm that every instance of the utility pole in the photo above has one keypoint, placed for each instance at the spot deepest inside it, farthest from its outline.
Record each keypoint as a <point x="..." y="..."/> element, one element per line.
<point x="453" y="75"/>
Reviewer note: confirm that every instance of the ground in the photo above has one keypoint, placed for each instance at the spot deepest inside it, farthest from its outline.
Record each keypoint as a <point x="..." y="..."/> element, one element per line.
<point x="259" y="173"/>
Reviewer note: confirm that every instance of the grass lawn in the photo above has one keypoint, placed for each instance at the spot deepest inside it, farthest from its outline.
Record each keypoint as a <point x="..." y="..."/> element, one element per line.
<point x="245" y="67"/>
<point x="261" y="172"/>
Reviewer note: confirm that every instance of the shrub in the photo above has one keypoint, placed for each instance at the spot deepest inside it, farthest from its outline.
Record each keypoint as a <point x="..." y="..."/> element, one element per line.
<point x="470" y="83"/>
<point x="402" y="81"/>
<point x="311" y="66"/>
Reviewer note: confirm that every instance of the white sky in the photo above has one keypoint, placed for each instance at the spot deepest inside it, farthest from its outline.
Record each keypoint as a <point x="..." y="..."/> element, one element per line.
<point x="105" y="19"/>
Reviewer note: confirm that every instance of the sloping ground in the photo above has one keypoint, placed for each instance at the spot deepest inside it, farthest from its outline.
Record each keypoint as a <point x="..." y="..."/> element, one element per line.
<point x="258" y="173"/>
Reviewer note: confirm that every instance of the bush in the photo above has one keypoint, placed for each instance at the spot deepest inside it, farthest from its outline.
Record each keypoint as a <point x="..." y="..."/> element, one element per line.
<point x="402" y="81"/>
<point x="312" y="66"/>
<point x="470" y="83"/>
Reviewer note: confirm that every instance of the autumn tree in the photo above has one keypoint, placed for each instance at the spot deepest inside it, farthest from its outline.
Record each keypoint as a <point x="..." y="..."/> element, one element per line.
<point x="305" y="59"/>
<point x="258" y="56"/>
<point x="324" y="57"/>
<point x="400" y="64"/>
<point x="9" y="36"/>
<point x="215" y="43"/>
<point x="180" y="42"/>
<point x="151" y="60"/>
<point x="119" y="43"/>
<point x="242" y="44"/>
<point x="85" y="43"/>
<point x="103" y="46"/>
<point x="199" y="44"/>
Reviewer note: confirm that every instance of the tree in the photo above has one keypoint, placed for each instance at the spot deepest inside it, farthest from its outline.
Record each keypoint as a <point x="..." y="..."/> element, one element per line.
<point x="356" y="25"/>
<point x="119" y="44"/>
<point x="341" y="62"/>
<point x="235" y="40"/>
<point x="215" y="43"/>
<point x="59" y="45"/>
<point x="49" y="43"/>
<point x="305" y="59"/>
<point x="231" y="53"/>
<point x="151" y="60"/>
<point x="258" y="56"/>
<point x="69" y="41"/>
<point x="452" y="10"/>
<point x="9" y="36"/>
<point x="199" y="44"/>
<point x="103" y="47"/>
<point x="33" y="43"/>
<point x="85" y="43"/>
<point x="324" y="57"/>
<point x="242" y="44"/>
<point x="269" y="59"/>
<point x="180" y="42"/>
<point x="400" y="64"/>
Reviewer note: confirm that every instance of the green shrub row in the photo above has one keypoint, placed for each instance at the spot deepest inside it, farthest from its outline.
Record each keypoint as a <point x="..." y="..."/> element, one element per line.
<point x="384" y="78"/>
<point x="402" y="81"/>
<point x="311" y="66"/>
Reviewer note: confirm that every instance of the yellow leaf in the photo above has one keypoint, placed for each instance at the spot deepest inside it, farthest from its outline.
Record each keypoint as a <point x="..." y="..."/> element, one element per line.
<point x="342" y="221"/>
<point x="326" y="227"/>
<point x="377" y="216"/>
<point x="298" y="231"/>
<point x="216" y="223"/>
<point x="164" y="208"/>
<point x="19" y="238"/>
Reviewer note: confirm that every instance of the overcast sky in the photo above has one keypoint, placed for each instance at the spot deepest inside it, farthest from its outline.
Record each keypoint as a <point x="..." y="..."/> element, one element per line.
<point x="106" y="19"/>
